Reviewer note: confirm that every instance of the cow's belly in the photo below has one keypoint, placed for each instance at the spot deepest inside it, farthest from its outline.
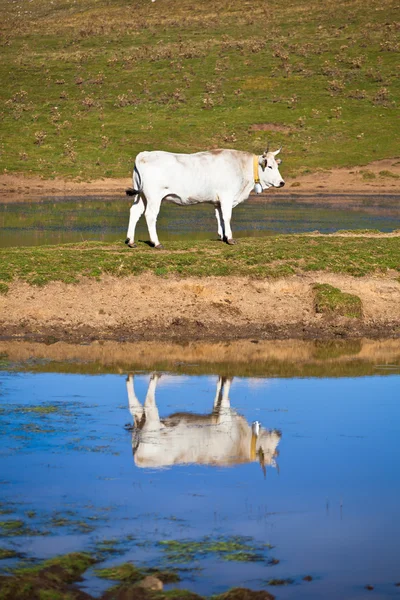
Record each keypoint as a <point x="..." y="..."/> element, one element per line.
<point x="189" y="200"/>
<point x="183" y="190"/>
<point x="185" y="445"/>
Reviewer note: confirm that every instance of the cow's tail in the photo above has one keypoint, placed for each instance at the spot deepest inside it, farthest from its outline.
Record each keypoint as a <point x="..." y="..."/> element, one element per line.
<point x="137" y="185"/>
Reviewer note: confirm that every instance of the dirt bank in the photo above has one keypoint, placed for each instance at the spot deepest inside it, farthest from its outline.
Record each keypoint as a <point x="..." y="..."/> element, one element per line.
<point x="378" y="177"/>
<point x="148" y="307"/>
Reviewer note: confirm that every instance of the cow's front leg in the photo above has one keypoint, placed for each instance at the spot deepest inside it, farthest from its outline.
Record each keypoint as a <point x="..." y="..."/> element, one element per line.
<point x="226" y="209"/>
<point x="151" y="215"/>
<point x="136" y="211"/>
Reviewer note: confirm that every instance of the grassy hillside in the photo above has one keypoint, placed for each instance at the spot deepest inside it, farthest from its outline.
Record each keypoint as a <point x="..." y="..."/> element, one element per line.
<point x="87" y="84"/>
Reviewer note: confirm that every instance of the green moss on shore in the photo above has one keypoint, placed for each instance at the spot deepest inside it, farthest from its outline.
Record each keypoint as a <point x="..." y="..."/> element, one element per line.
<point x="331" y="301"/>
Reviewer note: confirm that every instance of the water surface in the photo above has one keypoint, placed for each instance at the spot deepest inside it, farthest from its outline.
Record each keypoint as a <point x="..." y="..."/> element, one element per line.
<point x="322" y="497"/>
<point x="73" y="219"/>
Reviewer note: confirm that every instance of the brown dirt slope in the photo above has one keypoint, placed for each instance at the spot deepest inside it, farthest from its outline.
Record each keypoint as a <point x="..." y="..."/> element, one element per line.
<point x="147" y="307"/>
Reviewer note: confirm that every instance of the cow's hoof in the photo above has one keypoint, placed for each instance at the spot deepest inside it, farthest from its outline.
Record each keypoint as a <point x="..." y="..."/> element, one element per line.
<point x="129" y="243"/>
<point x="231" y="242"/>
<point x="159" y="247"/>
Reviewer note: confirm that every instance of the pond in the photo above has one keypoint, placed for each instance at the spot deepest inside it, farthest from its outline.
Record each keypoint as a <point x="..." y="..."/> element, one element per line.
<point x="229" y="480"/>
<point x="73" y="219"/>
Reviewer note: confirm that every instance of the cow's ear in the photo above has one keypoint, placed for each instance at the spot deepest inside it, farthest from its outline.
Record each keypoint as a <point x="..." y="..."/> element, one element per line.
<point x="262" y="161"/>
<point x="278" y="161"/>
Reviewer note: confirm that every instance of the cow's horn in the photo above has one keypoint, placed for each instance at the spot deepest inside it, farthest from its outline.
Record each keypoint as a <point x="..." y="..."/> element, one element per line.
<point x="267" y="150"/>
<point x="277" y="151"/>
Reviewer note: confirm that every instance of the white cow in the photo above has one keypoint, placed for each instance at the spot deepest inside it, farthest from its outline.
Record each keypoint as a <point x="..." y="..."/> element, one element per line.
<point x="224" y="178"/>
<point x="221" y="438"/>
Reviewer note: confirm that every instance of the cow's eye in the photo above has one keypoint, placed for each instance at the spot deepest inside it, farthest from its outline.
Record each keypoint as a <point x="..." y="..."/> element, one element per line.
<point x="269" y="167"/>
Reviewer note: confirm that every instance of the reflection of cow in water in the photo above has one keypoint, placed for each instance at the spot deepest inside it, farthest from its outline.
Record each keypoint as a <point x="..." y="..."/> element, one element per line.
<point x="220" y="438"/>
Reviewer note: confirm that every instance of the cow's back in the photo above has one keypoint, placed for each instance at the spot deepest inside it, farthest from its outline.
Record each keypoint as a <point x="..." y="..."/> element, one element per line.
<point x="199" y="441"/>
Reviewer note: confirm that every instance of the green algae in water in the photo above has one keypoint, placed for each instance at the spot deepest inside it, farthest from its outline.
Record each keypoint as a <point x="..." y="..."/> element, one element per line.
<point x="8" y="553"/>
<point x="124" y="572"/>
<point x="276" y="582"/>
<point x="234" y="548"/>
<point x="13" y="526"/>
<point x="73" y="565"/>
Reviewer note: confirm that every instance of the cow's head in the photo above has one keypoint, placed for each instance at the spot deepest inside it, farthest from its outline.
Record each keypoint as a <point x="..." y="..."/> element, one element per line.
<point x="265" y="446"/>
<point x="269" y="172"/>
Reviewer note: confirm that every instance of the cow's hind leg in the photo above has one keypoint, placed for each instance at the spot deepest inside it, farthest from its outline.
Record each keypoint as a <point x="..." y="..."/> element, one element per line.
<point x="151" y="214"/>
<point x="137" y="209"/>
<point x="226" y="210"/>
<point x="220" y="222"/>
<point x="150" y="407"/>
<point x="217" y="399"/>
<point x="135" y="408"/>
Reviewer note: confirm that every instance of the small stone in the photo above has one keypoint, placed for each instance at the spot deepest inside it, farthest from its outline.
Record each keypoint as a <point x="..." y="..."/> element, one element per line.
<point x="307" y="578"/>
<point x="151" y="583"/>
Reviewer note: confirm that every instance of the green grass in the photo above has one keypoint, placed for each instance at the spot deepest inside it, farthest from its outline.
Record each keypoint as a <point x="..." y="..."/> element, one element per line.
<point x="330" y="300"/>
<point x="87" y="85"/>
<point x="71" y="566"/>
<point x="272" y="257"/>
<point x="124" y="572"/>
<point x="387" y="173"/>
<point x="48" y="580"/>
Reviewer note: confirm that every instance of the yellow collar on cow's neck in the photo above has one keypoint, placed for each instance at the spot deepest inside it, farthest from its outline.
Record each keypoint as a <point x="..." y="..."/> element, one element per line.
<point x="255" y="169"/>
<point x="253" y="446"/>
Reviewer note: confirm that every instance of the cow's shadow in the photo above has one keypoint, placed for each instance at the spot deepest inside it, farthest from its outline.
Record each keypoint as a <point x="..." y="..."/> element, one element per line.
<point x="220" y="438"/>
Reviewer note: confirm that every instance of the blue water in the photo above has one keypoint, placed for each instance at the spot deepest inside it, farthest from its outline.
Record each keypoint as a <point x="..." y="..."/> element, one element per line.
<point x="329" y="507"/>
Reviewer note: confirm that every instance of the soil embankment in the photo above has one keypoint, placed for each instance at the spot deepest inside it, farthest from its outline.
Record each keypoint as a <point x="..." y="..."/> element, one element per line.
<point x="147" y="307"/>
